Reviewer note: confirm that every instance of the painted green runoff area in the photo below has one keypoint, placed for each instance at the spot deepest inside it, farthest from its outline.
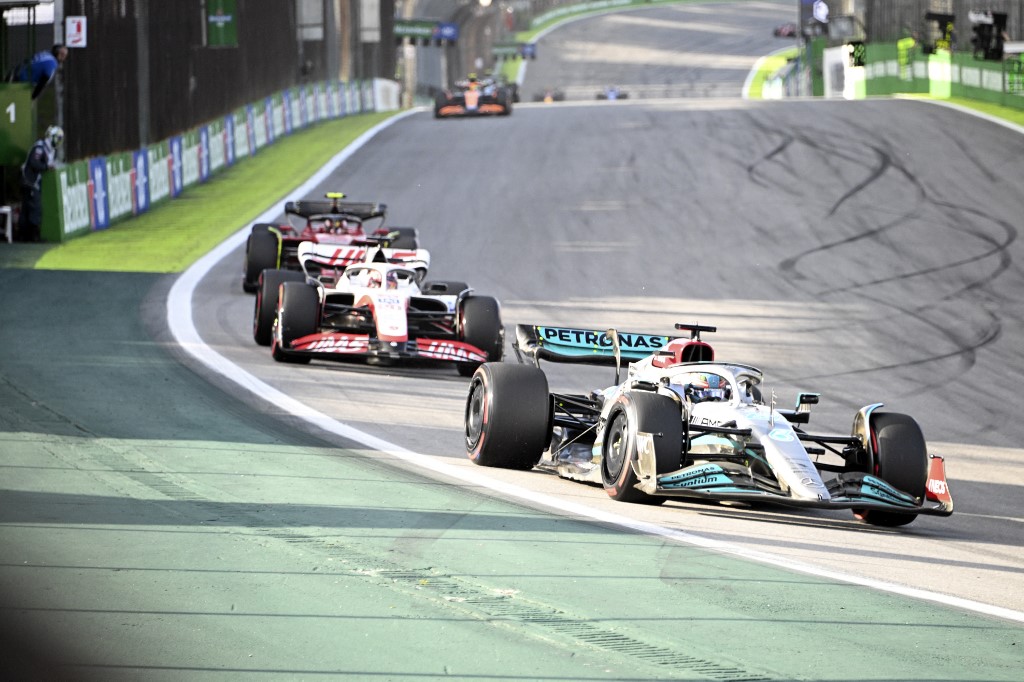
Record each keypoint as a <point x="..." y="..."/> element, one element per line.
<point x="153" y="526"/>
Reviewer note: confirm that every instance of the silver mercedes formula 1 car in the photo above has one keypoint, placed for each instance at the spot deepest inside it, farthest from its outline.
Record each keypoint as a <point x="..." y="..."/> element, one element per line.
<point x="683" y="424"/>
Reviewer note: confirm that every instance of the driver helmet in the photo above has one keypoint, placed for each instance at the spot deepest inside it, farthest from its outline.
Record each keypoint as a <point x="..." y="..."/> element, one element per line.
<point x="366" y="277"/>
<point x="707" y="387"/>
<point x="392" y="280"/>
<point x="55" y="136"/>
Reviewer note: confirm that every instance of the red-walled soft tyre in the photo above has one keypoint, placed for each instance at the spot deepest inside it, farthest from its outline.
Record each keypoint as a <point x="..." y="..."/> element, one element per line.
<point x="901" y="460"/>
<point x="480" y="326"/>
<point x="508" y="416"/>
<point x="265" y="312"/>
<point x="638" y="411"/>
<point x="298" y="315"/>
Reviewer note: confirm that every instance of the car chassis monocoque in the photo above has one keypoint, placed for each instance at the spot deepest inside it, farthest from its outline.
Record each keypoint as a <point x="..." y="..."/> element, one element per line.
<point x="664" y="432"/>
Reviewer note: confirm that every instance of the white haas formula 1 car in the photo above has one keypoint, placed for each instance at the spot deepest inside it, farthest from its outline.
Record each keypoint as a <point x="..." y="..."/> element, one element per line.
<point x="684" y="425"/>
<point x="375" y="309"/>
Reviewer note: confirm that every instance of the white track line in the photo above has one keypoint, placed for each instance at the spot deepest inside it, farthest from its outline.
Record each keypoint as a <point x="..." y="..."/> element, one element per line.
<point x="179" y="320"/>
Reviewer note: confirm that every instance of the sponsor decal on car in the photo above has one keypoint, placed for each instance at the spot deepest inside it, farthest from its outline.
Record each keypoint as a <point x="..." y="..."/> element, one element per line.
<point x="449" y="350"/>
<point x="937" y="489"/>
<point x="705" y="421"/>
<point x="701" y="475"/>
<point x="586" y="338"/>
<point x="341" y="256"/>
<point x="333" y="343"/>
<point x="879" y="489"/>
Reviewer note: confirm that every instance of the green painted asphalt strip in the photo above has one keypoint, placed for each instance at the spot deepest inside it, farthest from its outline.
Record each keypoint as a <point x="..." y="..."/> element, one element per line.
<point x="161" y="528"/>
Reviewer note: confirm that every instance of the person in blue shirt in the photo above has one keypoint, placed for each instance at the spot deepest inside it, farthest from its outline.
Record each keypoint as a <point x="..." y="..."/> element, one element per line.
<point x="41" y="69"/>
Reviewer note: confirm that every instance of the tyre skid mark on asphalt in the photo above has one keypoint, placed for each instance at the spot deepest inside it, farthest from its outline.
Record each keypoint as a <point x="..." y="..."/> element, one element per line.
<point x="964" y="351"/>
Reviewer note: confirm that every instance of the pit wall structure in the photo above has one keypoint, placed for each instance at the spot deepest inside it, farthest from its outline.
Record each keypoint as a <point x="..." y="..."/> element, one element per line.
<point x="902" y="68"/>
<point x="97" y="192"/>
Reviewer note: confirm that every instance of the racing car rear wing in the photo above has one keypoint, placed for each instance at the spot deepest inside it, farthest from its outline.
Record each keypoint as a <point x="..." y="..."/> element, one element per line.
<point x="583" y="346"/>
<point x="313" y="256"/>
<point x="356" y="209"/>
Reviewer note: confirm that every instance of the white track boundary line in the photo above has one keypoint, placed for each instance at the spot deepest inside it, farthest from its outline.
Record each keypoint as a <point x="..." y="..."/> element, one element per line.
<point x="179" y="321"/>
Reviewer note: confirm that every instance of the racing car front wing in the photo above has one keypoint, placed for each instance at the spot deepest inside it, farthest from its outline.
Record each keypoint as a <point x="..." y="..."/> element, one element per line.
<point x="734" y="482"/>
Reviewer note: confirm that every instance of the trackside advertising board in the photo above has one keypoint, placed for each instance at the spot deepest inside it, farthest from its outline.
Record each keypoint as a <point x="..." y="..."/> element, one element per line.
<point x="98" y="192"/>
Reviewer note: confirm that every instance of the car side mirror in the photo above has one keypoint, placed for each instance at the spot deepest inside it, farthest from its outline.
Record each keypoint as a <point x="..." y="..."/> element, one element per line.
<point x="804" y="402"/>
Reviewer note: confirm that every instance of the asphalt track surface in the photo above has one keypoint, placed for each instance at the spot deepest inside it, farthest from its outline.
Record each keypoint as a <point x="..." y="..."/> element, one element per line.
<point x="156" y="526"/>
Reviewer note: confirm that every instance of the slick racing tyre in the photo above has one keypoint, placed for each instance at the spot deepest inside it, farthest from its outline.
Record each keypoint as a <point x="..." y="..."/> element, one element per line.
<point x="298" y="315"/>
<point x="508" y="416"/>
<point x="266" y="302"/>
<point x="261" y="252"/>
<point x="480" y="326"/>
<point x="505" y="100"/>
<point x="448" y="288"/>
<point x="901" y="460"/>
<point x="639" y="412"/>
<point x="408" y="238"/>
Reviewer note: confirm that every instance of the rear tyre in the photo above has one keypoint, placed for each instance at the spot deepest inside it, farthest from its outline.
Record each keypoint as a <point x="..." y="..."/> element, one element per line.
<point x="448" y="288"/>
<point x="480" y="326"/>
<point x="508" y="416"/>
<point x="266" y="302"/>
<point x="640" y="412"/>
<point x="407" y="239"/>
<point x="901" y="460"/>
<point x="261" y="253"/>
<point x="298" y="315"/>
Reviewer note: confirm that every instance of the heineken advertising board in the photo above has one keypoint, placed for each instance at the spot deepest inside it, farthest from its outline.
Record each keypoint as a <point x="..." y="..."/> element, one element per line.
<point x="221" y="23"/>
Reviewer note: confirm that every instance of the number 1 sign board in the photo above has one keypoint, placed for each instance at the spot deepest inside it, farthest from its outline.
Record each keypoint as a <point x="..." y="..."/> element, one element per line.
<point x="17" y="118"/>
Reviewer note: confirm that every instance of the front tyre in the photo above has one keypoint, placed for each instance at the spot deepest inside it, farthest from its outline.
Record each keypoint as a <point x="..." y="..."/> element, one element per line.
<point x="640" y="412"/>
<point x="298" y="315"/>
<point x="270" y="282"/>
<point x="508" y="416"/>
<point x="446" y="287"/>
<point x="480" y="326"/>
<point x="901" y="460"/>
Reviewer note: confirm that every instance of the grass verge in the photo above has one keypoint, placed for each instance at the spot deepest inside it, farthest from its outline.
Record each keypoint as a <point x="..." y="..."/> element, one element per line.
<point x="176" y="233"/>
<point x="995" y="110"/>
